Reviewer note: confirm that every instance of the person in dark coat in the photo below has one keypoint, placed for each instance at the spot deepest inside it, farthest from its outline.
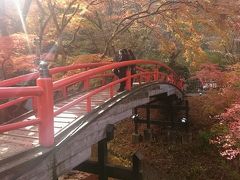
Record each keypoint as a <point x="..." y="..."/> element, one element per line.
<point x="123" y="56"/>
<point x="133" y="67"/>
<point x="131" y="55"/>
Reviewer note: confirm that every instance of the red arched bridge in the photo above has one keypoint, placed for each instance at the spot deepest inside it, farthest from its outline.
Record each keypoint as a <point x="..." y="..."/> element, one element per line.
<point x="70" y="109"/>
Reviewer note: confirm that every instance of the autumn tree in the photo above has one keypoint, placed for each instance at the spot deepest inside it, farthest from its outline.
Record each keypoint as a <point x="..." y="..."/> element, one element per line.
<point x="182" y="27"/>
<point x="177" y="32"/>
<point x="117" y="18"/>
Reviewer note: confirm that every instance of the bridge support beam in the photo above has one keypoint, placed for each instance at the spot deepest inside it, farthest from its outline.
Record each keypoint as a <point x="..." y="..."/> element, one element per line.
<point x="148" y="132"/>
<point x="136" y="137"/>
<point x="175" y="116"/>
<point x="114" y="171"/>
<point x="102" y="159"/>
<point x="105" y="170"/>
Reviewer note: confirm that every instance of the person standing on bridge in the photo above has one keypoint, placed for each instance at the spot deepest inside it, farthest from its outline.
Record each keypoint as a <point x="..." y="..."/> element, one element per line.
<point x="123" y="56"/>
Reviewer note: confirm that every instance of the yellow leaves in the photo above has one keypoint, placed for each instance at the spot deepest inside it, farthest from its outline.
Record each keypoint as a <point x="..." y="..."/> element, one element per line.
<point x="235" y="67"/>
<point x="207" y="1"/>
<point x="168" y="27"/>
<point x="83" y="8"/>
<point x="177" y="36"/>
<point x="188" y="55"/>
<point x="196" y="56"/>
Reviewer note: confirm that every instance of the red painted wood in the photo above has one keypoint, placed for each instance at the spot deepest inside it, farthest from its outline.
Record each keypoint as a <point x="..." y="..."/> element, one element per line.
<point x="9" y="92"/>
<point x="45" y="112"/>
<point x="17" y="125"/>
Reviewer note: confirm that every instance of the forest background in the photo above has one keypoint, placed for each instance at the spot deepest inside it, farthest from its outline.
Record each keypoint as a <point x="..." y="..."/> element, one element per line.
<point x="199" y="39"/>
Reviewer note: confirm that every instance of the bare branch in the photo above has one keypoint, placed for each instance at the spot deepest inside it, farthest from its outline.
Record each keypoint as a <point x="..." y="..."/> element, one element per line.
<point x="70" y="18"/>
<point x="74" y="36"/>
<point x="53" y="13"/>
<point x="66" y="11"/>
<point x="39" y="4"/>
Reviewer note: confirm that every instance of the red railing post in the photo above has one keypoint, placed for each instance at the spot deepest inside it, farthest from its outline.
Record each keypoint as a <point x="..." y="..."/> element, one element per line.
<point x="89" y="104"/>
<point x="140" y="79"/>
<point x="86" y="84"/>
<point x="104" y="79"/>
<point x="45" y="107"/>
<point x="64" y="92"/>
<point x="148" y="77"/>
<point x="111" y="92"/>
<point x="170" y="79"/>
<point x="155" y="76"/>
<point x="128" y="81"/>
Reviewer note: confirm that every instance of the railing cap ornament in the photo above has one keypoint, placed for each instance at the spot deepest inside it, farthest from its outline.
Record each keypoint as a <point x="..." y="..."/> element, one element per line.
<point x="43" y="69"/>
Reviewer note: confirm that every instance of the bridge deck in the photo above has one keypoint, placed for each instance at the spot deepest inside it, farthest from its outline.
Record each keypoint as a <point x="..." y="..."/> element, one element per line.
<point x="17" y="141"/>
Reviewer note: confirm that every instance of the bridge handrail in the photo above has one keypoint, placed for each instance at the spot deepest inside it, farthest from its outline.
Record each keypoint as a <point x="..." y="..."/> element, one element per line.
<point x="35" y="75"/>
<point x="45" y="87"/>
<point x="7" y="91"/>
<point x="91" y="72"/>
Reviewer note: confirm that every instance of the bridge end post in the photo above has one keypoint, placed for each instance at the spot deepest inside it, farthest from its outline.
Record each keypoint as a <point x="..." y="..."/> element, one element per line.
<point x="45" y="107"/>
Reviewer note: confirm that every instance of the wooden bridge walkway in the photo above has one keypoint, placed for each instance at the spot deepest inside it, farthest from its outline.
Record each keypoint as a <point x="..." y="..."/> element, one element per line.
<point x="16" y="141"/>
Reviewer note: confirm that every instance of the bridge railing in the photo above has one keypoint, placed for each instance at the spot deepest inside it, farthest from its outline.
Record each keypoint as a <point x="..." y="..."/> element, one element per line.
<point x="41" y="95"/>
<point x="44" y="90"/>
<point x="30" y="79"/>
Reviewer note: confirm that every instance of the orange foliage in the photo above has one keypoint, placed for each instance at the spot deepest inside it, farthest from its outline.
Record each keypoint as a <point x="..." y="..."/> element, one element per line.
<point x="24" y="63"/>
<point x="91" y="58"/>
<point x="23" y="44"/>
<point x="6" y="49"/>
<point x="6" y="46"/>
<point x="210" y="72"/>
<point x="86" y="58"/>
<point x="233" y="75"/>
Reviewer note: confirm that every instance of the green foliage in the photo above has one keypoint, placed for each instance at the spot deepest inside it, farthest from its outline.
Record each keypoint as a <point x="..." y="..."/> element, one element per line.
<point x="182" y="70"/>
<point x="204" y="138"/>
<point x="196" y="170"/>
<point x="237" y="85"/>
<point x="219" y="129"/>
<point x="216" y="58"/>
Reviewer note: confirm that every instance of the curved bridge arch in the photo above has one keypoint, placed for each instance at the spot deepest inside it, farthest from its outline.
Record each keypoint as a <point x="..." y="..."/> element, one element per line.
<point x="120" y="106"/>
<point x="67" y="151"/>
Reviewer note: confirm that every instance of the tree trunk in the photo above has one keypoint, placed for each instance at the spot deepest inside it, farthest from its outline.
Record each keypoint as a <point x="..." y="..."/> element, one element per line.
<point x="173" y="57"/>
<point x="61" y="51"/>
<point x="4" y="76"/>
<point x="25" y="9"/>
